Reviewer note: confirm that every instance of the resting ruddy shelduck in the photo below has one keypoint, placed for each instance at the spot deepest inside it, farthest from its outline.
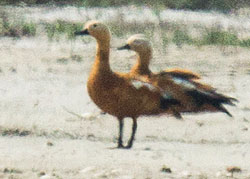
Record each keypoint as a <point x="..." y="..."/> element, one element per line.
<point x="118" y="94"/>
<point x="181" y="85"/>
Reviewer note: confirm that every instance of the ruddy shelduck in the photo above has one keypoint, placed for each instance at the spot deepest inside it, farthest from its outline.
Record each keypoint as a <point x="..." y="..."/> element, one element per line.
<point x="180" y="84"/>
<point x="118" y="94"/>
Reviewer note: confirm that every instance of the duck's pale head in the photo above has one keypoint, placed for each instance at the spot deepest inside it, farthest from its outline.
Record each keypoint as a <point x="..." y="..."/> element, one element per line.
<point x="96" y="29"/>
<point x="138" y="43"/>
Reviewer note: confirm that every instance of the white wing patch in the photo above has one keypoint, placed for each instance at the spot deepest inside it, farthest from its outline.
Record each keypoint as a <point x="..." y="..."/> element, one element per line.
<point x="184" y="83"/>
<point x="190" y="85"/>
<point x="138" y="84"/>
<point x="166" y="95"/>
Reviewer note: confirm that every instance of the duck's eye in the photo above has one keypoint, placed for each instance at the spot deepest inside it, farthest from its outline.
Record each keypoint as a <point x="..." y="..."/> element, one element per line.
<point x="94" y="25"/>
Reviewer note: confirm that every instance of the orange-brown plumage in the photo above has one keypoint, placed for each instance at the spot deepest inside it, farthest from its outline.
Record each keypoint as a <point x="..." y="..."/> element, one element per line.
<point x="181" y="84"/>
<point x="120" y="94"/>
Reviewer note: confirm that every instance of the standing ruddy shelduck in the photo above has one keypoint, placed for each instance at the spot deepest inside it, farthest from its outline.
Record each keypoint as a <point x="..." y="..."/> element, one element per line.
<point x="119" y="94"/>
<point x="182" y="85"/>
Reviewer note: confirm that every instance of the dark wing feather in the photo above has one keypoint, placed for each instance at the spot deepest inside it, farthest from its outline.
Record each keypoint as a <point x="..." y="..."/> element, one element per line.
<point x="181" y="73"/>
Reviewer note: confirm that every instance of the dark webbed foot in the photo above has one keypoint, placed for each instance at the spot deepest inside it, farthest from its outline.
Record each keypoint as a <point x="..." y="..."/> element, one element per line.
<point x="119" y="146"/>
<point x="129" y="146"/>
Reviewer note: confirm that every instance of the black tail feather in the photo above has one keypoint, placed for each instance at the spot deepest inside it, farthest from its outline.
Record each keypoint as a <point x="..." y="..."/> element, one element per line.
<point x="212" y="98"/>
<point x="223" y="109"/>
<point x="166" y="103"/>
<point x="231" y="100"/>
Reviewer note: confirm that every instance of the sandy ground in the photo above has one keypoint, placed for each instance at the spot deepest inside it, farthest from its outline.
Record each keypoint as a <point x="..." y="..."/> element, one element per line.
<point x="50" y="128"/>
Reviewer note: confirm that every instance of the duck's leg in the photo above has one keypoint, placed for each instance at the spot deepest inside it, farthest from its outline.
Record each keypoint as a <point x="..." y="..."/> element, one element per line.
<point x="121" y="123"/>
<point x="177" y="115"/>
<point x="130" y="142"/>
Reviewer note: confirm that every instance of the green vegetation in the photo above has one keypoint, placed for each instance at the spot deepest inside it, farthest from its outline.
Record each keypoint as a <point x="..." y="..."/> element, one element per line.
<point x="178" y="34"/>
<point x="29" y="29"/>
<point x="181" y="37"/>
<point x="245" y="43"/>
<point x="13" y="132"/>
<point x="58" y="28"/>
<point x="217" y="36"/>
<point x="160" y="34"/>
<point x="75" y="58"/>
<point x="120" y="28"/>
<point x="11" y="170"/>
<point x="16" y="28"/>
<point x="221" y="5"/>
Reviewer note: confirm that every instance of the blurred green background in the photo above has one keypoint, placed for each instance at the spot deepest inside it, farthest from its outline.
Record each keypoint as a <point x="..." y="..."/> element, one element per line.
<point x="221" y="5"/>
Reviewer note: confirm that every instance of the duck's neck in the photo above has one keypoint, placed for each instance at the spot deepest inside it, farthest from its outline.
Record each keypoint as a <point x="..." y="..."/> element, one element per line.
<point x="102" y="57"/>
<point x="142" y="65"/>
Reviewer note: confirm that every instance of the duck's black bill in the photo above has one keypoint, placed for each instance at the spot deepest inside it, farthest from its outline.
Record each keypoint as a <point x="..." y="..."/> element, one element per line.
<point x="125" y="47"/>
<point x="84" y="32"/>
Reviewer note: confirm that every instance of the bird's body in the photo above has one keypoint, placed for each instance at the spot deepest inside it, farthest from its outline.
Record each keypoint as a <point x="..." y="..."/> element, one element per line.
<point x="115" y="94"/>
<point x="180" y="84"/>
